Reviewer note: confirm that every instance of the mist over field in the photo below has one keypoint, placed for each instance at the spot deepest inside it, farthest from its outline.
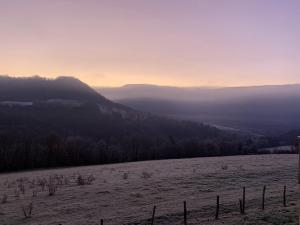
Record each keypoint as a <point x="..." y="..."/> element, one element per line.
<point x="271" y="110"/>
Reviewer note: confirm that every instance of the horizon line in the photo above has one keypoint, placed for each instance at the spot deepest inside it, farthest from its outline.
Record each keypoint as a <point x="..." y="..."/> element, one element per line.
<point x="149" y="84"/>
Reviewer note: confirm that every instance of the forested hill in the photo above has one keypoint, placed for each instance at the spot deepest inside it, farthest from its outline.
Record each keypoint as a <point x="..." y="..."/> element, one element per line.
<point x="64" y="122"/>
<point x="38" y="88"/>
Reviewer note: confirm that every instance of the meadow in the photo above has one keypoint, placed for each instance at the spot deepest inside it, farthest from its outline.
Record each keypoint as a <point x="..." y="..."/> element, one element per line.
<point x="126" y="193"/>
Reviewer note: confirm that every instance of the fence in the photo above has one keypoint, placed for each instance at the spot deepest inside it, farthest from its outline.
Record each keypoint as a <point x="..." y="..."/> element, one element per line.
<point x="242" y="206"/>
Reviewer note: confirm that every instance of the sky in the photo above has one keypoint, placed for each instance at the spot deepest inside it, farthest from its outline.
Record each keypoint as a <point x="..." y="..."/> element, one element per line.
<point x="163" y="42"/>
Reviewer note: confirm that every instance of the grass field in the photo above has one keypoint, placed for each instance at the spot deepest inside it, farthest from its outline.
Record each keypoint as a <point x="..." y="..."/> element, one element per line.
<point x="126" y="193"/>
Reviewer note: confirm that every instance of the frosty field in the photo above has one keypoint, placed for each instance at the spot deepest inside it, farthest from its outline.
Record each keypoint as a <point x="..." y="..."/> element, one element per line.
<point x="126" y="193"/>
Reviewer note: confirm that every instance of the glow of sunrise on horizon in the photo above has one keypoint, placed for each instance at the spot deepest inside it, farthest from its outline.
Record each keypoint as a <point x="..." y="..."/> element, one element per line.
<point x="170" y="42"/>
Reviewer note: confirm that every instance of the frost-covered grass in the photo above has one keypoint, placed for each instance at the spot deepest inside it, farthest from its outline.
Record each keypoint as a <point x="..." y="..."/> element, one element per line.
<point x="126" y="193"/>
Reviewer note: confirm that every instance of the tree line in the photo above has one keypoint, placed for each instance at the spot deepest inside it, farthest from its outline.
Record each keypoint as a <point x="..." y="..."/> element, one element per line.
<point x="19" y="152"/>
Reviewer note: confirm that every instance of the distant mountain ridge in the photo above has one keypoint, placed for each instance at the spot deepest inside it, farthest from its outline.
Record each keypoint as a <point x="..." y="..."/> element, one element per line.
<point x="270" y="109"/>
<point x="135" y="91"/>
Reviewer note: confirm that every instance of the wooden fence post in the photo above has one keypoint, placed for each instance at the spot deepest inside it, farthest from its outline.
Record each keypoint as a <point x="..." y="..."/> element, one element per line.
<point x="184" y="211"/>
<point x="217" y="207"/>
<point x="284" y="196"/>
<point x="101" y="221"/>
<point x="244" y="199"/>
<point x="263" y="198"/>
<point x="298" y="147"/>
<point x="241" y="206"/>
<point x="153" y="215"/>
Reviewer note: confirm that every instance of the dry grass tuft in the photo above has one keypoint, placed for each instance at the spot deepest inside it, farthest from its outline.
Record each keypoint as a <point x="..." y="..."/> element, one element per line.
<point x="125" y="176"/>
<point x="81" y="180"/>
<point x="27" y="210"/>
<point x="224" y="167"/>
<point x="52" y="187"/>
<point x="34" y="193"/>
<point x="136" y="195"/>
<point x="17" y="193"/>
<point x="146" y="175"/>
<point x="42" y="183"/>
<point x="21" y="187"/>
<point x="4" y="199"/>
<point x="66" y="181"/>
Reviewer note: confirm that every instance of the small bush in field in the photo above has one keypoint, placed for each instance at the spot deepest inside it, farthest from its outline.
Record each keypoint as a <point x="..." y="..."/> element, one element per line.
<point x="59" y="179"/>
<point x="34" y="193"/>
<point x="125" y="176"/>
<point x="5" y="183"/>
<point x="90" y="179"/>
<point x="146" y="175"/>
<point x="224" y="167"/>
<point x="32" y="184"/>
<point x="240" y="167"/>
<point x="80" y="180"/>
<point x="4" y="199"/>
<point x="22" y="188"/>
<point x="52" y="187"/>
<point x="17" y="194"/>
<point x="66" y="181"/>
<point x="85" y="181"/>
<point x="136" y="195"/>
<point x="42" y="183"/>
<point x="27" y="211"/>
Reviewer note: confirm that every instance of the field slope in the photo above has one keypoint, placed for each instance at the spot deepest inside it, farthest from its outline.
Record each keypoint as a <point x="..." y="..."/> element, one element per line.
<point x="126" y="193"/>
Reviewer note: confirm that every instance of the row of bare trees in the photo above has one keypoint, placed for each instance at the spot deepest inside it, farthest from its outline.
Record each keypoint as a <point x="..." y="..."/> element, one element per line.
<point x="19" y="153"/>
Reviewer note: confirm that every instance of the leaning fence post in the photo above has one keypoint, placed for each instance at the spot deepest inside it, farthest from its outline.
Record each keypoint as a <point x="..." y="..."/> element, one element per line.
<point x="284" y="196"/>
<point x="217" y="207"/>
<point x="263" y="198"/>
<point x="153" y="215"/>
<point x="184" y="210"/>
<point x="244" y="199"/>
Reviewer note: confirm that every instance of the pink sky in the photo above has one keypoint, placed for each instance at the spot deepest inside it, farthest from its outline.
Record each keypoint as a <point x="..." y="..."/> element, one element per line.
<point x="167" y="42"/>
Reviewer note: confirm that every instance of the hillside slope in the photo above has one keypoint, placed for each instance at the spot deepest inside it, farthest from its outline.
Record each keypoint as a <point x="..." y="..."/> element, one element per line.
<point x="38" y="89"/>
<point x="66" y="104"/>
<point x="63" y="122"/>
